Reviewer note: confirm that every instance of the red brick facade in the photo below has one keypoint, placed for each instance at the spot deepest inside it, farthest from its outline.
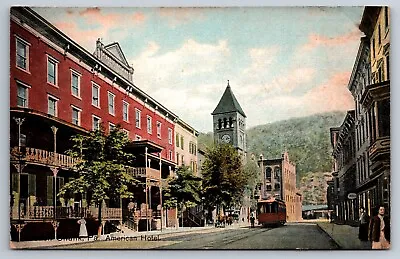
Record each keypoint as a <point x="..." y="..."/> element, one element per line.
<point x="35" y="78"/>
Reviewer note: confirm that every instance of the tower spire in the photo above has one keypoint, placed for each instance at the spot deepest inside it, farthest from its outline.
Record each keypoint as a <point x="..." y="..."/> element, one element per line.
<point x="228" y="83"/>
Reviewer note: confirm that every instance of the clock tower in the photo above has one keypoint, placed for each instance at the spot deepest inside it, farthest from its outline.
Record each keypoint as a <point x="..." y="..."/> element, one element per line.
<point x="229" y="121"/>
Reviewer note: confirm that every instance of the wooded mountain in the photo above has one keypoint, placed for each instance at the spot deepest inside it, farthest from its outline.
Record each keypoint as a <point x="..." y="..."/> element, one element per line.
<point x="306" y="139"/>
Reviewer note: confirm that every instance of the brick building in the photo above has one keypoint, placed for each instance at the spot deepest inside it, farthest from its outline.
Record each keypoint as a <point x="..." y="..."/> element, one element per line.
<point x="279" y="181"/>
<point x="59" y="89"/>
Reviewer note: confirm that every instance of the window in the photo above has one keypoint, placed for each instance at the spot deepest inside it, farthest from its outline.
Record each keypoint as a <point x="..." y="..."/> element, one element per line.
<point x="158" y="129"/>
<point x="183" y="160"/>
<point x="96" y="123"/>
<point x="52" y="106"/>
<point x="170" y="155"/>
<point x="111" y="127"/>
<point x="149" y="127"/>
<point x="22" y="60"/>
<point x="177" y="140"/>
<point x="379" y="35"/>
<point x="177" y="158"/>
<point x="95" y="95"/>
<point x="373" y="47"/>
<point x="52" y="70"/>
<point x="137" y="137"/>
<point x="125" y="111"/>
<point x="111" y="107"/>
<point x="75" y="84"/>
<point x="76" y="116"/>
<point x="182" y="144"/>
<point x="137" y="118"/>
<point x="22" y="95"/>
<point x="169" y="136"/>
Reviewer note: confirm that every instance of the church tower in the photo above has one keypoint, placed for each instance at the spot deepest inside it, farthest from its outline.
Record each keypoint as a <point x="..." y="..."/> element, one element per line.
<point x="229" y="122"/>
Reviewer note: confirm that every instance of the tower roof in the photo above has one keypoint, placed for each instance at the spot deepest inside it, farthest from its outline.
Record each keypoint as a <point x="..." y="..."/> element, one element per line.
<point x="228" y="103"/>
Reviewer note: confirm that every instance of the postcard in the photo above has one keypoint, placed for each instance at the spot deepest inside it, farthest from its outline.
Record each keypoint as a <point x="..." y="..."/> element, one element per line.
<point x="200" y="128"/>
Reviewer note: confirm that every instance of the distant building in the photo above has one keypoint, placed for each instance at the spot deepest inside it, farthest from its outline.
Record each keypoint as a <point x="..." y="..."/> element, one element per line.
<point x="279" y="181"/>
<point x="229" y="122"/>
<point x="186" y="145"/>
<point x="344" y="169"/>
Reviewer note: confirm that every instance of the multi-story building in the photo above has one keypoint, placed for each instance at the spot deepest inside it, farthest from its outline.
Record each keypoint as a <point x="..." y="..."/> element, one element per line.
<point x="344" y="169"/>
<point x="229" y="122"/>
<point x="370" y="86"/>
<point x="186" y="145"/>
<point x="279" y="181"/>
<point x="59" y="89"/>
<point x="374" y="188"/>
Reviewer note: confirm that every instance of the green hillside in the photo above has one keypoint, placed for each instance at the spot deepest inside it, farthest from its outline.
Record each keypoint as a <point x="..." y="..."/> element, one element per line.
<point x="306" y="139"/>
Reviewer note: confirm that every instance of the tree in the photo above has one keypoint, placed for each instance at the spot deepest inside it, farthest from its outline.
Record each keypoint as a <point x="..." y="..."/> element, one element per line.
<point x="183" y="190"/>
<point x="101" y="168"/>
<point x="252" y="174"/>
<point x="224" y="180"/>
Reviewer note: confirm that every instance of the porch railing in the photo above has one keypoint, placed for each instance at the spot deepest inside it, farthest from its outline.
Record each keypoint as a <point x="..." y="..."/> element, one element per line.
<point x="142" y="172"/>
<point x="47" y="212"/>
<point x="40" y="156"/>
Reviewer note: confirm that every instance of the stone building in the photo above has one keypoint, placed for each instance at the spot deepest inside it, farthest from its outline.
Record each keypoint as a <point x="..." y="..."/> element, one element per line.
<point x="279" y="181"/>
<point x="229" y="122"/>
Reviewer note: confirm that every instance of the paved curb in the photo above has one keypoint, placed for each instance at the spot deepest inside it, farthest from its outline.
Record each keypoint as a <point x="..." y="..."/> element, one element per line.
<point x="330" y="236"/>
<point x="111" y="235"/>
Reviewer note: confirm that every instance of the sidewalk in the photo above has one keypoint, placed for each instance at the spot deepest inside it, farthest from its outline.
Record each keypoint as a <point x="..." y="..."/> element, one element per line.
<point x="148" y="234"/>
<point x="345" y="236"/>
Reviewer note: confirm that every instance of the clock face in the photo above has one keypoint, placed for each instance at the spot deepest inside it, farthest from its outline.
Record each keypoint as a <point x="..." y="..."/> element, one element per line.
<point x="226" y="138"/>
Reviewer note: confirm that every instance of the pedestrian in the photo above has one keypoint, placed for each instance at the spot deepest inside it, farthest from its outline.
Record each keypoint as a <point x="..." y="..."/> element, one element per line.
<point x="252" y="219"/>
<point x="363" y="228"/>
<point x="379" y="230"/>
<point x="82" y="228"/>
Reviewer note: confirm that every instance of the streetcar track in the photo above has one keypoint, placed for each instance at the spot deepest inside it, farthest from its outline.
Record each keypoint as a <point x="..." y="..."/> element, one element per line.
<point x="227" y="238"/>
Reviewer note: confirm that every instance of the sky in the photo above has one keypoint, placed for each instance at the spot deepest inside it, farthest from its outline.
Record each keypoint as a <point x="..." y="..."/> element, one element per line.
<point x="281" y="62"/>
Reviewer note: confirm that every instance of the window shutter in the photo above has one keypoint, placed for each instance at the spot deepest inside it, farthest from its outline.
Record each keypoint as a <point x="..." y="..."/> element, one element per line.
<point x="49" y="190"/>
<point x="32" y="184"/>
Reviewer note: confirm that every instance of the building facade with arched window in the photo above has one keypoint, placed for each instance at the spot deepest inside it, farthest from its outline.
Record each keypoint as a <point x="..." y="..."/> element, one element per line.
<point x="279" y="181"/>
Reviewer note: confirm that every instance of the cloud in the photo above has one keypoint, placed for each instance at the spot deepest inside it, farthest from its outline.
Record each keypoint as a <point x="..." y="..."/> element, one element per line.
<point x="317" y="40"/>
<point x="190" y="59"/>
<point x="333" y="95"/>
<point x="110" y="25"/>
<point x="261" y="59"/>
<point x="294" y="78"/>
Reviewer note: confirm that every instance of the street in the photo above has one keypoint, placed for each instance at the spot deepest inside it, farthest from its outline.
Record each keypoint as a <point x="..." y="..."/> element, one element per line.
<point x="291" y="236"/>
